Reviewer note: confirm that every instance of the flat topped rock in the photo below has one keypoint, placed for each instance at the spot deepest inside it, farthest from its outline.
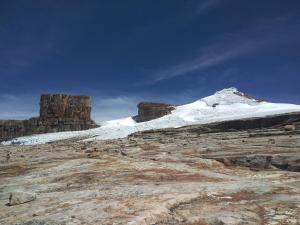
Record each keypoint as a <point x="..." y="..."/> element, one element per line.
<point x="151" y="110"/>
<point x="58" y="112"/>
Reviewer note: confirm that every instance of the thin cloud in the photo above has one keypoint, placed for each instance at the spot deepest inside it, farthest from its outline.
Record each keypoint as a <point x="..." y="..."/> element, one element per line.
<point x="207" y="5"/>
<point x="202" y="62"/>
<point x="109" y="108"/>
<point x="230" y="47"/>
<point x="113" y="108"/>
<point x="18" y="107"/>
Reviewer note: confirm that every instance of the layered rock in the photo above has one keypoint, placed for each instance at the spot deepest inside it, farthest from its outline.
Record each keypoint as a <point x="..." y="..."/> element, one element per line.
<point x="65" y="106"/>
<point x="258" y="143"/>
<point x="149" y="111"/>
<point x="57" y="113"/>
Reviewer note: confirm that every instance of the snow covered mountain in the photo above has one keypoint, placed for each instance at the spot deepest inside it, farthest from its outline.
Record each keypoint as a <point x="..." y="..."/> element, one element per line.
<point x="227" y="104"/>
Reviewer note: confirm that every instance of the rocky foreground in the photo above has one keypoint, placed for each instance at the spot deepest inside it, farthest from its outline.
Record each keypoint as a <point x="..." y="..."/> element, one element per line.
<point x="224" y="173"/>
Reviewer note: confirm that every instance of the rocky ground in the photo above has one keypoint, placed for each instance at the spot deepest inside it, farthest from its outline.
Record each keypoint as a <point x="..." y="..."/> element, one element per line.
<point x="190" y="175"/>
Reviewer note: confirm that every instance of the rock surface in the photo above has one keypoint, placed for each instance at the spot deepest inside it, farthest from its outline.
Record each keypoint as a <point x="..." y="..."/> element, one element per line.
<point x="201" y="174"/>
<point x="149" y="111"/>
<point x="57" y="113"/>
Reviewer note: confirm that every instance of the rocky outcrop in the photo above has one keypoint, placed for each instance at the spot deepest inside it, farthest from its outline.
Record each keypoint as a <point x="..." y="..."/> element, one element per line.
<point x="65" y="106"/>
<point x="57" y="113"/>
<point x="149" y="111"/>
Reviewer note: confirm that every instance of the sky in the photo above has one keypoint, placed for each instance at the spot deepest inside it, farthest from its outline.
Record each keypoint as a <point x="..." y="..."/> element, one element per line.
<point x="122" y="52"/>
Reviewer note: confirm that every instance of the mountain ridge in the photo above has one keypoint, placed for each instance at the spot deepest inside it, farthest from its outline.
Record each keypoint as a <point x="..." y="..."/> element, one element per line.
<point x="225" y="105"/>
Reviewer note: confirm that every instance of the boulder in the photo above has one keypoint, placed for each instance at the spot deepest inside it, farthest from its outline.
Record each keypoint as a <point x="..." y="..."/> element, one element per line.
<point x="290" y="127"/>
<point x="17" y="198"/>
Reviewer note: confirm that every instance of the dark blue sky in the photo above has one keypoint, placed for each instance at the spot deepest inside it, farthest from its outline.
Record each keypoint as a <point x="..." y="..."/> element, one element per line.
<point x="124" y="51"/>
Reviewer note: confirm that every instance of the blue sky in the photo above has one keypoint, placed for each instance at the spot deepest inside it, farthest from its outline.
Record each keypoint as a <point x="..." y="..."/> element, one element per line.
<point x="123" y="52"/>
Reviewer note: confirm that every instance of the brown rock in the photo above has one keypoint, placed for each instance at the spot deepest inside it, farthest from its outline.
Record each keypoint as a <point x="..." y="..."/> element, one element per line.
<point x="149" y="111"/>
<point x="65" y="106"/>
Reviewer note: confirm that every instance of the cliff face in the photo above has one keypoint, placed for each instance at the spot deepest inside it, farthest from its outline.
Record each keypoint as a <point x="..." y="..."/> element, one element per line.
<point x="57" y="113"/>
<point x="65" y="106"/>
<point x="149" y="111"/>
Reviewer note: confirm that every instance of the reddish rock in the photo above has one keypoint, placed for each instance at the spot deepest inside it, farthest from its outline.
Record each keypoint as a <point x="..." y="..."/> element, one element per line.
<point x="149" y="111"/>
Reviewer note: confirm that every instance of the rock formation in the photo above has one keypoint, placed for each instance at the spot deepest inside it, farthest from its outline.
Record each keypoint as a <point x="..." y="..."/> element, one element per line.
<point x="149" y="111"/>
<point x="65" y="106"/>
<point x="58" y="112"/>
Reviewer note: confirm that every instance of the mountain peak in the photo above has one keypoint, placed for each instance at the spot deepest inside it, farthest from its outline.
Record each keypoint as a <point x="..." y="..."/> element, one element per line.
<point x="227" y="90"/>
<point x="229" y="96"/>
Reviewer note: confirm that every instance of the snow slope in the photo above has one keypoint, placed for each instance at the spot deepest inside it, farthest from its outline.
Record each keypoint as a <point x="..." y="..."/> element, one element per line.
<point x="227" y="104"/>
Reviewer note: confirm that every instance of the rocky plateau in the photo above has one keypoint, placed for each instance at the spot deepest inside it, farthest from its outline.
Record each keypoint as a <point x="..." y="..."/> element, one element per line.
<point x="234" y="172"/>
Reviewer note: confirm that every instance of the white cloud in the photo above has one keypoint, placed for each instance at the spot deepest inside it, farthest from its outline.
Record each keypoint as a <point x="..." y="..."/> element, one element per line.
<point x="18" y="107"/>
<point x="113" y="108"/>
<point x="104" y="108"/>
<point x="21" y="107"/>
